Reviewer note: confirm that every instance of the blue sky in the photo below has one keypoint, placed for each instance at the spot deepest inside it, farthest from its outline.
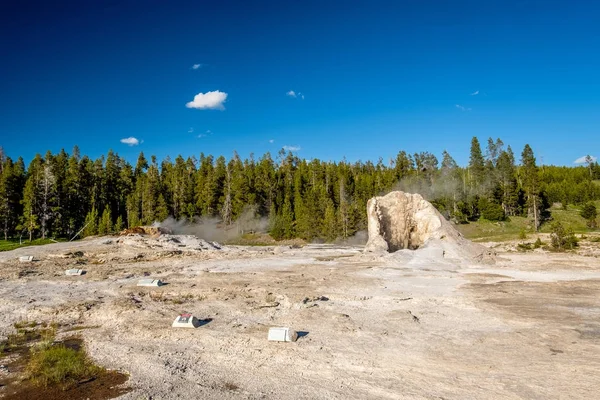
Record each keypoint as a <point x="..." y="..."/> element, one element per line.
<point x="370" y="78"/>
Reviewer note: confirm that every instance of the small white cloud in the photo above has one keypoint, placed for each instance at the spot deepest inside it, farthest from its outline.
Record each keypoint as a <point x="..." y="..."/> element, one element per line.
<point x="462" y="108"/>
<point x="295" y="95"/>
<point x="271" y="141"/>
<point x="208" y="132"/>
<point x="197" y="66"/>
<point x="191" y="130"/>
<point x="208" y="101"/>
<point x="131" y="141"/>
<point x="583" y="160"/>
<point x="292" y="148"/>
<point x="475" y="93"/>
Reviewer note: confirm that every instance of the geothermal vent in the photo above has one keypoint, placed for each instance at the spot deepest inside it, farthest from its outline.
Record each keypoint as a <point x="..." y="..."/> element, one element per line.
<point x="401" y="220"/>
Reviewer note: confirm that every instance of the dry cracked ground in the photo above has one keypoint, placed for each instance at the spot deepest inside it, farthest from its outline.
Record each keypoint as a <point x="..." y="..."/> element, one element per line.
<point x="403" y="326"/>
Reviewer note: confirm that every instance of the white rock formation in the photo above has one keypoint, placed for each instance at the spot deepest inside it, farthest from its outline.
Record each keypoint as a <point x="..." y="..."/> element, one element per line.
<point x="401" y="220"/>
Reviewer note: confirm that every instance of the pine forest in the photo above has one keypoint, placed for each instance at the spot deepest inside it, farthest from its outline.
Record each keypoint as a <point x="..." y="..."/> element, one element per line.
<point x="57" y="195"/>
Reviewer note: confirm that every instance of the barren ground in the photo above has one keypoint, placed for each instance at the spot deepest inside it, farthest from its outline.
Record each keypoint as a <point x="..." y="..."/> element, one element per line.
<point x="394" y="327"/>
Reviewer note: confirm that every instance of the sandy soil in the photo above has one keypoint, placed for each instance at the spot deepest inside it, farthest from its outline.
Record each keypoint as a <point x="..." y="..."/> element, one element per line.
<point x="403" y="326"/>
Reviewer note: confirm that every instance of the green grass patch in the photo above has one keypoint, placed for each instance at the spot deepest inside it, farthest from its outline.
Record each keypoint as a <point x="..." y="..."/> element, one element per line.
<point x="483" y="230"/>
<point x="26" y="332"/>
<point x="11" y="244"/>
<point x="60" y="365"/>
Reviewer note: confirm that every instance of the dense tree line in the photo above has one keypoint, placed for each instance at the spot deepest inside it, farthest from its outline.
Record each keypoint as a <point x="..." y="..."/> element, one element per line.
<point x="56" y="195"/>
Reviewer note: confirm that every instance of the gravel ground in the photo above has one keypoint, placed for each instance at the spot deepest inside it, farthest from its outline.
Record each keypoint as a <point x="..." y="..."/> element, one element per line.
<point x="408" y="325"/>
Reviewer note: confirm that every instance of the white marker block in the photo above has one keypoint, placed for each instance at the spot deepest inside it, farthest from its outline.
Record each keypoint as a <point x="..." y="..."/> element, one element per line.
<point x="26" y="259"/>
<point x="73" y="272"/>
<point x="282" y="335"/>
<point x="186" y="321"/>
<point x="150" y="282"/>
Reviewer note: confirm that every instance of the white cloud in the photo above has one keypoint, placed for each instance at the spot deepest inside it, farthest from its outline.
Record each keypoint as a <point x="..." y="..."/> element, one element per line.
<point x="208" y="101"/>
<point x="292" y="148"/>
<point x="475" y="93"/>
<point x="131" y="141"/>
<point x="582" y="160"/>
<point x="197" y="66"/>
<point x="271" y="141"/>
<point x="462" y="108"/>
<point x="191" y="130"/>
<point x="201" y="135"/>
<point x="295" y="95"/>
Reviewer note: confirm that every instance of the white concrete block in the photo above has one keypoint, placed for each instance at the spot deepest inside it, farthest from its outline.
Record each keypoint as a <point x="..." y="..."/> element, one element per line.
<point x="26" y="259"/>
<point x="282" y="335"/>
<point x="73" y="272"/>
<point x="186" y="321"/>
<point x="150" y="282"/>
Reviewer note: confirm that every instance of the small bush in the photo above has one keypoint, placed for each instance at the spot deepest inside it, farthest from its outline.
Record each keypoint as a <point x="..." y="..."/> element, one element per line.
<point x="538" y="243"/>
<point x="595" y="239"/>
<point x="522" y="234"/>
<point x="589" y="213"/>
<point x="562" y="239"/>
<point x="524" y="246"/>
<point x="59" y="365"/>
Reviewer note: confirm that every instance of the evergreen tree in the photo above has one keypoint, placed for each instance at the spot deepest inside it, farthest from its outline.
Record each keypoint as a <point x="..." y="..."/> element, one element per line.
<point x="150" y="189"/>
<point x="32" y="197"/>
<point x="77" y="192"/>
<point x="206" y="187"/>
<point x="48" y="195"/>
<point x="476" y="165"/>
<point x="451" y="183"/>
<point x="60" y="223"/>
<point x="330" y="231"/>
<point x="119" y="225"/>
<point x="404" y="165"/>
<point x="141" y="165"/>
<point x="161" y="209"/>
<point x="105" y="224"/>
<point x="494" y="150"/>
<point x="91" y="223"/>
<point x="508" y="182"/>
<point x="111" y="186"/>
<point x="345" y="214"/>
<point x="11" y="190"/>
<point x="287" y="219"/>
<point x="265" y="185"/>
<point x="531" y="185"/>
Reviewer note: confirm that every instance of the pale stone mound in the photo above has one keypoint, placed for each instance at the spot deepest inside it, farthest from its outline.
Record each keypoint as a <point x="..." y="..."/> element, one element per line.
<point x="145" y="230"/>
<point x="169" y="242"/>
<point x="401" y="220"/>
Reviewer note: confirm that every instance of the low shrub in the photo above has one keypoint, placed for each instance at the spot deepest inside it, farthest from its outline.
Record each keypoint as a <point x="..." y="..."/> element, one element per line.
<point x="562" y="239"/>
